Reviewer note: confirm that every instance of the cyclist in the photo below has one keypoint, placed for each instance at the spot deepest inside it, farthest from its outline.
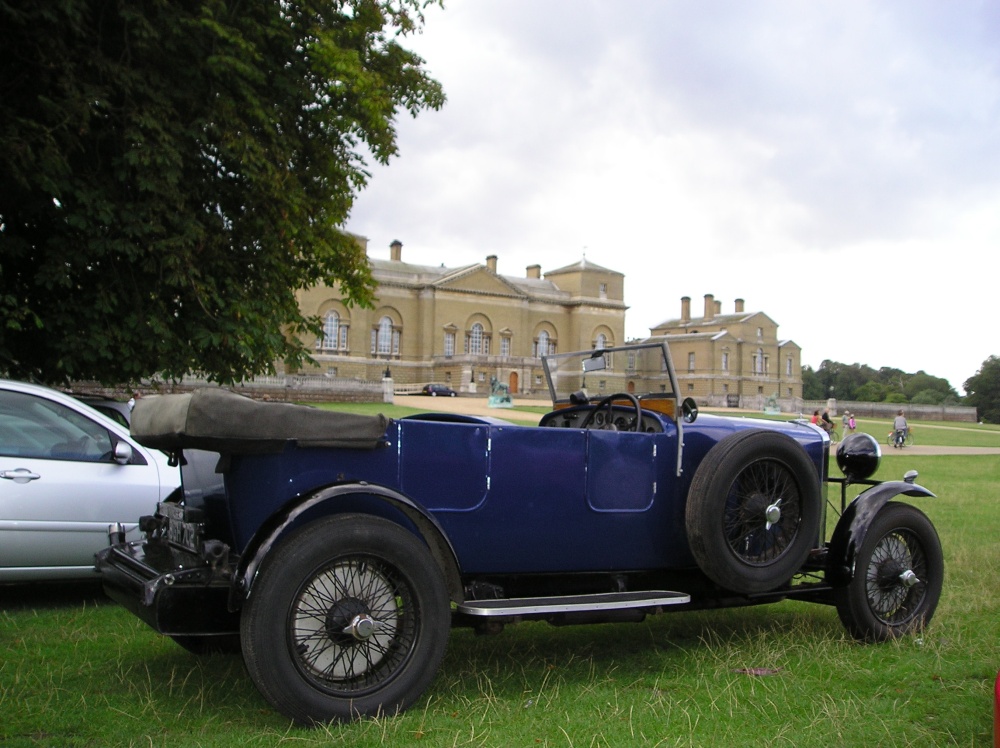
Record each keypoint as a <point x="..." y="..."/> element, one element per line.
<point x="900" y="427"/>
<point x="826" y="422"/>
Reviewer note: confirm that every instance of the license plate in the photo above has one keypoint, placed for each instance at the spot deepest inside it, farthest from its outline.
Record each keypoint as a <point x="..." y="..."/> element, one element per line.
<point x="183" y="527"/>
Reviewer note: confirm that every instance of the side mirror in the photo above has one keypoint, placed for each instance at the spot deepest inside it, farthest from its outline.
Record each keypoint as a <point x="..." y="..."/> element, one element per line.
<point x="123" y="453"/>
<point x="689" y="409"/>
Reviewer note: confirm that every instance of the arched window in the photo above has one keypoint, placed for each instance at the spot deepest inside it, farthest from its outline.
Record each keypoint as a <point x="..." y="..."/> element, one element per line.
<point x="476" y="339"/>
<point x="543" y="344"/>
<point x="602" y="341"/>
<point x="385" y="336"/>
<point x="331" y="332"/>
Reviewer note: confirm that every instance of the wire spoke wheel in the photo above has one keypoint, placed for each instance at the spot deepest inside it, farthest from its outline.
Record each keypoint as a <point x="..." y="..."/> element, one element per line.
<point x="898" y="575"/>
<point x="762" y="514"/>
<point x="353" y="625"/>
<point x="896" y="579"/>
<point x="348" y="617"/>
<point x="753" y="511"/>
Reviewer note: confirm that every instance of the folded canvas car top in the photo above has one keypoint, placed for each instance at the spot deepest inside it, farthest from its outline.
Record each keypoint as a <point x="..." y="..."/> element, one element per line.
<point x="222" y="421"/>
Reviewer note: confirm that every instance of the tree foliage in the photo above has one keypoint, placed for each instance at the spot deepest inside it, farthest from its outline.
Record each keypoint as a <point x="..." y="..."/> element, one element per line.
<point x="863" y="383"/>
<point x="983" y="390"/>
<point x="172" y="172"/>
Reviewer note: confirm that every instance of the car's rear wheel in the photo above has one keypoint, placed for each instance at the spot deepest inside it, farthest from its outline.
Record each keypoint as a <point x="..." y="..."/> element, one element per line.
<point x="753" y="511"/>
<point x="898" y="574"/>
<point x="348" y="617"/>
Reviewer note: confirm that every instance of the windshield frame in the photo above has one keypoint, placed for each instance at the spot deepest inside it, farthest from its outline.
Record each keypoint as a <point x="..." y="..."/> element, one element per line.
<point x="656" y="380"/>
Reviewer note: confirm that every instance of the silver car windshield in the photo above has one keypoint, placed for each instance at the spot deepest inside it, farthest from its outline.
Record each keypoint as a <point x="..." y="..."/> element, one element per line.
<point x="644" y="370"/>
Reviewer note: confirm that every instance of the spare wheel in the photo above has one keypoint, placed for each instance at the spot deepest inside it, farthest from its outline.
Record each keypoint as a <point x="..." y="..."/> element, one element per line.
<point x="753" y="511"/>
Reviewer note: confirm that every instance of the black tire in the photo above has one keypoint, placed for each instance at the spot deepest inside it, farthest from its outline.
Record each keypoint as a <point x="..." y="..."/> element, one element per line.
<point x="882" y="602"/>
<point x="207" y="645"/>
<point x="753" y="511"/>
<point x="348" y="617"/>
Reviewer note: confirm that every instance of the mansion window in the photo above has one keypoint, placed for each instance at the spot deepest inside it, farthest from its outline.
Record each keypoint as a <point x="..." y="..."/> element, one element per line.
<point x="505" y="346"/>
<point x="603" y="290"/>
<point x="725" y="361"/>
<point x="477" y="341"/>
<point x="788" y="367"/>
<point x="759" y="362"/>
<point x="449" y="344"/>
<point x="691" y="361"/>
<point x="385" y="338"/>
<point x="334" y="336"/>
<point x="543" y="345"/>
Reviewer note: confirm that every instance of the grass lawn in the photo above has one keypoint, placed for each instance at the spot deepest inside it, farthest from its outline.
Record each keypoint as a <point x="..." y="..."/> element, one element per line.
<point x="76" y="670"/>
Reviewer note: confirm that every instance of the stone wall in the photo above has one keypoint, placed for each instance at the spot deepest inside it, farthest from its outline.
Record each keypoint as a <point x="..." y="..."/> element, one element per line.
<point x="888" y="411"/>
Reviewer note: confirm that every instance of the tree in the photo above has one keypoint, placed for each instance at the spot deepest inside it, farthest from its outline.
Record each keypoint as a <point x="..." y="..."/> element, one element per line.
<point x="928" y="386"/>
<point x="171" y="174"/>
<point x="812" y="386"/>
<point x="871" y="392"/>
<point x="983" y="390"/>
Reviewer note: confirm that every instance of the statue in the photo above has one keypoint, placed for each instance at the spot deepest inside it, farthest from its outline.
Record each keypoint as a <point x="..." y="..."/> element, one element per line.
<point x="499" y="395"/>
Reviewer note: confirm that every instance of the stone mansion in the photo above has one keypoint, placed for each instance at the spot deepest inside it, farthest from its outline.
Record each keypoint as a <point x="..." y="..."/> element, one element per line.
<point x="464" y="326"/>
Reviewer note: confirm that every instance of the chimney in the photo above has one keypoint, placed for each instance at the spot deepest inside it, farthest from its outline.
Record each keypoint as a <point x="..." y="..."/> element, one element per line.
<point x="491" y="263"/>
<point x="685" y="308"/>
<point x="709" y="306"/>
<point x="718" y="307"/>
<point x="739" y="306"/>
<point x="533" y="271"/>
<point x="396" y="251"/>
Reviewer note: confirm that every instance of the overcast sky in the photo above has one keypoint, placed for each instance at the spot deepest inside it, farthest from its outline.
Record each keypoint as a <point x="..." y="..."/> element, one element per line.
<point x="835" y="164"/>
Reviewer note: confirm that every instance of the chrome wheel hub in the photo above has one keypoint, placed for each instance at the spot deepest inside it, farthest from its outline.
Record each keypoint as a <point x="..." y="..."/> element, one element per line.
<point x="361" y="627"/>
<point x="773" y="514"/>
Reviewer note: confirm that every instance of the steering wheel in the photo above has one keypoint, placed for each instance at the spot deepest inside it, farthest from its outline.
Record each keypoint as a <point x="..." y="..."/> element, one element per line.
<point x="609" y="423"/>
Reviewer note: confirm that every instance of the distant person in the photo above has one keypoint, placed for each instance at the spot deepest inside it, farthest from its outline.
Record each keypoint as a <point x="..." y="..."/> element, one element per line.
<point x="825" y="421"/>
<point x="846" y="417"/>
<point x="901" y="428"/>
<point x="815" y="419"/>
<point x="852" y="425"/>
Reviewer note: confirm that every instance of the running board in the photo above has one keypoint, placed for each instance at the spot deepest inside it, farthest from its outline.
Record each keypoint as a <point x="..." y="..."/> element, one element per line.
<point x="523" y="606"/>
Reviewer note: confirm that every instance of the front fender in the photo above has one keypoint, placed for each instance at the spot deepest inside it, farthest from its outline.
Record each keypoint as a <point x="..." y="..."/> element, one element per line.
<point x="854" y="523"/>
<point x="271" y="532"/>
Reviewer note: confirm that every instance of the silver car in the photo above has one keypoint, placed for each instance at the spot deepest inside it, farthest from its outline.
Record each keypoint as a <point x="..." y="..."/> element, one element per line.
<point x="66" y="473"/>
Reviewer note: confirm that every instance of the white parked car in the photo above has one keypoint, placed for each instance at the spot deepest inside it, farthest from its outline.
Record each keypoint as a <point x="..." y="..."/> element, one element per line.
<point x="66" y="473"/>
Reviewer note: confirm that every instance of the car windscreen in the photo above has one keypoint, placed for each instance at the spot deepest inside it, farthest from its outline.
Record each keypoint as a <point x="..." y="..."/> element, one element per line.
<point x="643" y="370"/>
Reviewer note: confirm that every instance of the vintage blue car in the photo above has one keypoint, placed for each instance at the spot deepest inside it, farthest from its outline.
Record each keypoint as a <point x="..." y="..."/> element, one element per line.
<point x="344" y="547"/>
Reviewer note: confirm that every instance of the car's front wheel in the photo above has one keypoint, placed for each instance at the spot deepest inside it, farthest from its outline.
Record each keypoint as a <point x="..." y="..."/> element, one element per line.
<point x="348" y="617"/>
<point x="898" y="574"/>
<point x="753" y="511"/>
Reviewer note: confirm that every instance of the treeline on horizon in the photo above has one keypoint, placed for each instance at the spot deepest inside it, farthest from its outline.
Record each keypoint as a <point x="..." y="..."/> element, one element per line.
<point x="861" y="382"/>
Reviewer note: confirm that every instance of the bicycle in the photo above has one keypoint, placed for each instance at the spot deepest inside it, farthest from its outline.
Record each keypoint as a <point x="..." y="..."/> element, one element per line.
<point x="908" y="440"/>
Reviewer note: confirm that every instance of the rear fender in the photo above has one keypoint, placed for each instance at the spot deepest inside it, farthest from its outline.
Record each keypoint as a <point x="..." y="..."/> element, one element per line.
<point x="854" y="523"/>
<point x="330" y="500"/>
